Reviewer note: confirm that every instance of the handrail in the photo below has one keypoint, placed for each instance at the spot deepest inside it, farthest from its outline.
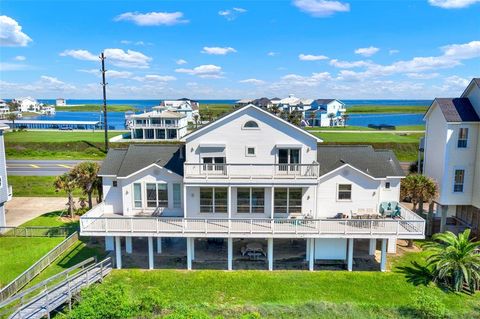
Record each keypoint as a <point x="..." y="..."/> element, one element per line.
<point x="52" y="297"/>
<point x="25" y="277"/>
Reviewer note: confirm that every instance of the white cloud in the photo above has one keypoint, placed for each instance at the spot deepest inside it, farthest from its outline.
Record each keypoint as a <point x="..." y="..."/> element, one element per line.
<point x="393" y="51"/>
<point x="7" y="66"/>
<point x="349" y="64"/>
<point x="204" y="71"/>
<point x="181" y="61"/>
<point x="452" y="4"/>
<point x="310" y="57"/>
<point x="152" y="18"/>
<point x="271" y="53"/>
<point x="462" y="51"/>
<point x="80" y="55"/>
<point x="111" y="74"/>
<point x="231" y="14"/>
<point x="127" y="59"/>
<point x="313" y="80"/>
<point x="20" y="58"/>
<point x="218" y="50"/>
<point x="155" y="78"/>
<point x="422" y="76"/>
<point x="11" y="34"/>
<point x="321" y="8"/>
<point x="252" y="81"/>
<point x="54" y="83"/>
<point x="367" y="52"/>
<point x="140" y="43"/>
<point x="456" y="81"/>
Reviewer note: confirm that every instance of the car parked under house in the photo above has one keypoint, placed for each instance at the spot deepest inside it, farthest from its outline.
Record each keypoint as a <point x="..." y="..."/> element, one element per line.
<point x="252" y="181"/>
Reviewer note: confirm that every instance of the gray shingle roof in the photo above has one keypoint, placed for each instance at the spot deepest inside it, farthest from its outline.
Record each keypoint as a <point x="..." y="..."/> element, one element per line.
<point x="124" y="162"/>
<point x="324" y="101"/>
<point x="376" y="163"/>
<point x="457" y="109"/>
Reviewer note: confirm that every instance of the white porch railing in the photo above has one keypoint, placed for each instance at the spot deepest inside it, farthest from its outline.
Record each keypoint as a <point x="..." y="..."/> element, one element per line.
<point x="185" y="227"/>
<point x="251" y="171"/>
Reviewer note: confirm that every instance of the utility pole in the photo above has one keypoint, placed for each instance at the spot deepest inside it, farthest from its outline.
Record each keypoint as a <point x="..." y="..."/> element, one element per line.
<point x="104" y="86"/>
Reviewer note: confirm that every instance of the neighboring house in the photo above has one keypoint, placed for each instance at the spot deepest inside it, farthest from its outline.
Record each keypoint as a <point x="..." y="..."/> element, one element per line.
<point x="250" y="178"/>
<point x="48" y="110"/>
<point x="243" y="102"/>
<point x="189" y="108"/>
<point x="5" y="190"/>
<point x="452" y="157"/>
<point x="325" y="112"/>
<point x="3" y="103"/>
<point x="28" y="104"/>
<point x="4" y="109"/>
<point x="263" y="103"/>
<point x="158" y="125"/>
<point x="60" y="102"/>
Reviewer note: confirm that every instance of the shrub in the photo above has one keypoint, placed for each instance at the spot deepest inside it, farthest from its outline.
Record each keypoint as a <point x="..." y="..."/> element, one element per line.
<point x="429" y="307"/>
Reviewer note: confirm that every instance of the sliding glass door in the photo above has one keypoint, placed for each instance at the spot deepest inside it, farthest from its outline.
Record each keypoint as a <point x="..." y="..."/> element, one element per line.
<point x="289" y="158"/>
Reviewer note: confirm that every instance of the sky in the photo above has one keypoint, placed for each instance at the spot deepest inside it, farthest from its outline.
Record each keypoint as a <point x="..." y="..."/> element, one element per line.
<point x="349" y="49"/>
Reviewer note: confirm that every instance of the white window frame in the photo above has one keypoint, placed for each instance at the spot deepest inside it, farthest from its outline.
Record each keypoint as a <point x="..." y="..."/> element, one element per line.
<point x="213" y="201"/>
<point x="463" y="182"/>
<point x="463" y="140"/>
<point x="254" y="151"/>
<point x="141" y="195"/>
<point x="250" y="128"/>
<point x="145" y="205"/>
<point x="338" y="192"/>
<point x="389" y="185"/>
<point x="174" y="203"/>
<point x="288" y="207"/>
<point x="250" y="201"/>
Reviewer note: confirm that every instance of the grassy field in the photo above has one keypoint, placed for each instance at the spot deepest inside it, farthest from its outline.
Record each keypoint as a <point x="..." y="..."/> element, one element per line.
<point x="216" y="110"/>
<point x="56" y="136"/>
<point x="365" y="128"/>
<point x="51" y="219"/>
<point x="369" y="138"/>
<point x="263" y="294"/>
<point x="96" y="107"/>
<point x="35" y="186"/>
<point x="386" y="109"/>
<point x="18" y="253"/>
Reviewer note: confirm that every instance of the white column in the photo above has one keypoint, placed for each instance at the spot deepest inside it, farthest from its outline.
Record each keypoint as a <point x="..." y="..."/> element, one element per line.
<point x="128" y="245"/>
<point x="118" y="252"/>
<point x="270" y="254"/>
<point x="230" y="253"/>
<point x="443" y="218"/>
<point x="373" y="246"/>
<point x="150" y="252"/>
<point x="229" y="202"/>
<point x="350" y="255"/>
<point x="272" y="203"/>
<point x="311" y="260"/>
<point x="189" y="253"/>
<point x="184" y="200"/>
<point x="109" y="243"/>
<point x="392" y="246"/>
<point x="193" y="248"/>
<point x="383" y="258"/>
<point x="159" y="245"/>
<point x="307" y="254"/>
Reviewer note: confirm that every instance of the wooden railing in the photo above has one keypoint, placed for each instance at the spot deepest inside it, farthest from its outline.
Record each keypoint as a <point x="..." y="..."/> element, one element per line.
<point x="25" y="277"/>
<point x="251" y="171"/>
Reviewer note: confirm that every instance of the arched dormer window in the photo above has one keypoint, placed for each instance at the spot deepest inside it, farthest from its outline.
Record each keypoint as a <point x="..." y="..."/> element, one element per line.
<point x="250" y="125"/>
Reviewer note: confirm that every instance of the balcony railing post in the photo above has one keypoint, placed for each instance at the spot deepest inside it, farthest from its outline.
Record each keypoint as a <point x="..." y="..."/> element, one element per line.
<point x="251" y="226"/>
<point x="398" y="227"/>
<point x="206" y="223"/>
<point x="371" y="227"/>
<point x="106" y="224"/>
<point x="272" y="226"/>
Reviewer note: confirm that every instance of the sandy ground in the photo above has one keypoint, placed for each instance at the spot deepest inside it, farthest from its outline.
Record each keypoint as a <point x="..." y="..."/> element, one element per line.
<point x="22" y="209"/>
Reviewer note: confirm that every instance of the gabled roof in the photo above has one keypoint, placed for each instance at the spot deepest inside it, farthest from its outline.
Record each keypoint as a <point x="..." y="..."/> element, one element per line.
<point x="456" y="109"/>
<point x="375" y="163"/>
<point x="242" y="109"/>
<point x="125" y="162"/>
<point x="324" y="101"/>
<point x="474" y="82"/>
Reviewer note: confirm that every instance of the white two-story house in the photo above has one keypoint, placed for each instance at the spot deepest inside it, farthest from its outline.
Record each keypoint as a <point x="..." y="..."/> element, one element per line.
<point x="158" y="125"/>
<point x="251" y="176"/>
<point x="326" y="112"/>
<point x="452" y="157"/>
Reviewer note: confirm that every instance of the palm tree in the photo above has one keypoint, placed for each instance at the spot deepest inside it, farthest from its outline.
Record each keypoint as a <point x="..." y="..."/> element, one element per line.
<point x="345" y="118"/>
<point x="420" y="189"/>
<point x="312" y="118"/>
<point x="331" y="116"/>
<point x="67" y="183"/>
<point x="13" y="106"/>
<point x="275" y="109"/>
<point x="12" y="116"/>
<point x="455" y="260"/>
<point x="86" y="177"/>
<point x="196" y="119"/>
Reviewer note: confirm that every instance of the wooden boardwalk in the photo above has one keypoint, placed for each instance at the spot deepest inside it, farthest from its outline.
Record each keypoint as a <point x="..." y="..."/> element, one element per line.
<point x="50" y="299"/>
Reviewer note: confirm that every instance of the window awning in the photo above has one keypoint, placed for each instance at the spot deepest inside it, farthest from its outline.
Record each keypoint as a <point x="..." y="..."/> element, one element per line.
<point x="288" y="145"/>
<point x="212" y="150"/>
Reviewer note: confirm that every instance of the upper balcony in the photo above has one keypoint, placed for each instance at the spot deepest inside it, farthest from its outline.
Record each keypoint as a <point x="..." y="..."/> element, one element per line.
<point x="155" y="125"/>
<point x="251" y="171"/>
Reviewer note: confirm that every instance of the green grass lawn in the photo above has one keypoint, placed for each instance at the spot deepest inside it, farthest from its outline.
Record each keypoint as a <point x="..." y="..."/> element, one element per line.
<point x="365" y="128"/>
<point x="369" y="138"/>
<point x="263" y="294"/>
<point x="35" y="186"/>
<point x="57" y="136"/>
<point x="19" y="253"/>
<point x="386" y="109"/>
<point x="96" y="107"/>
<point x="217" y="110"/>
<point x="51" y="219"/>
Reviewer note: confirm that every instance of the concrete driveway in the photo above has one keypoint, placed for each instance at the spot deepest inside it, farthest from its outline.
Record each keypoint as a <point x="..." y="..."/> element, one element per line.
<point x="22" y="209"/>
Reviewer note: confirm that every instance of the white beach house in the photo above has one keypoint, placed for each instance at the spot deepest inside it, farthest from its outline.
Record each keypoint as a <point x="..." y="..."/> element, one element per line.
<point x="452" y="157"/>
<point x="187" y="107"/>
<point x="158" y="125"/>
<point x="326" y="112"/>
<point x="5" y="189"/>
<point x="251" y="178"/>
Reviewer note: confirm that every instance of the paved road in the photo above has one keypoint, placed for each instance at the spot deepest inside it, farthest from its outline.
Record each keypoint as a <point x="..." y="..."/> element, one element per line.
<point x="39" y="167"/>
